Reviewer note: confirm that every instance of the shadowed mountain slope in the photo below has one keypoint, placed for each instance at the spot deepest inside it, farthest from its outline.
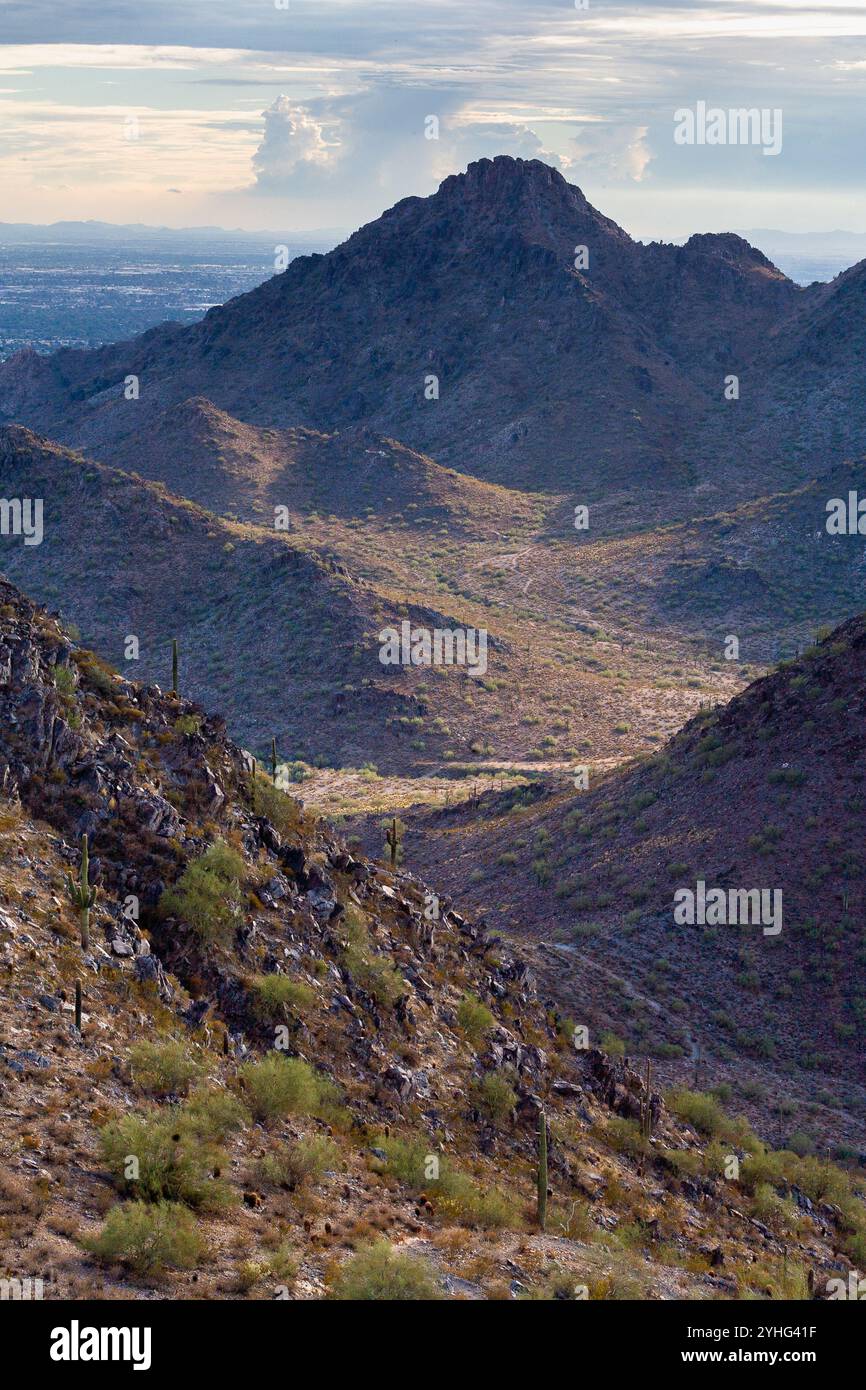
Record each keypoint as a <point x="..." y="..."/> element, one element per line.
<point x="769" y="792"/>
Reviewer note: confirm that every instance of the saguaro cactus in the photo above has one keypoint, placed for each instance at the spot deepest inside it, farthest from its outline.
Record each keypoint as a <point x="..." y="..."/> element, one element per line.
<point x="82" y="895"/>
<point x="392" y="840"/>
<point x="253" y="776"/>
<point x="174" y="677"/>
<point x="78" y="1005"/>
<point x="542" y="1170"/>
<point x="646" y="1113"/>
<point x="274" y="761"/>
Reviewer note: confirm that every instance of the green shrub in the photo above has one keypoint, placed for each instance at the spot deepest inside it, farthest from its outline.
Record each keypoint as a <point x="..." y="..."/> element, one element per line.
<point x="474" y="1019"/>
<point x="164" y="1069"/>
<point x="208" y="893"/>
<point x="625" y="1136"/>
<point x="187" y="724"/>
<point x="213" y="1115"/>
<point x="148" y="1236"/>
<point x="382" y="1273"/>
<point x="280" y="809"/>
<point x="406" y="1159"/>
<point x="374" y="974"/>
<point x="273" y="993"/>
<point x="454" y="1195"/>
<point x="305" y="1162"/>
<point x="278" y="1086"/>
<point x="459" y="1197"/>
<point x="492" y="1095"/>
<point x="773" y="1210"/>
<point x="172" y="1161"/>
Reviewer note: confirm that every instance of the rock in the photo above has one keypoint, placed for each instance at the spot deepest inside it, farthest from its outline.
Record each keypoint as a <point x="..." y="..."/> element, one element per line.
<point x="121" y="947"/>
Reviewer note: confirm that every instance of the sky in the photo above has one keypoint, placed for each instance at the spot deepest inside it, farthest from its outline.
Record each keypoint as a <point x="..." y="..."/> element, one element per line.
<point x="309" y="114"/>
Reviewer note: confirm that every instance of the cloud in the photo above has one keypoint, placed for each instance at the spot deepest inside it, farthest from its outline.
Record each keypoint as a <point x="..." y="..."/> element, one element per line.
<point x="293" y="144"/>
<point x="374" y="143"/>
<point x="612" y="152"/>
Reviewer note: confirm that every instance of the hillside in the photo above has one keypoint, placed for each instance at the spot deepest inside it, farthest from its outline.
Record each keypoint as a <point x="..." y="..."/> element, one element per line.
<point x="286" y="1058"/>
<point x="593" y="379"/>
<point x="764" y="792"/>
<point x="230" y="467"/>
<point x="298" y="615"/>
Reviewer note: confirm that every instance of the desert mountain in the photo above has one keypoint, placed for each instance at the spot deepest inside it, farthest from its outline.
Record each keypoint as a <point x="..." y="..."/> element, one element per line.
<point x="260" y="1066"/>
<point x="553" y="368"/>
<point x="209" y="456"/>
<point x="125" y="558"/>
<point x="764" y="792"/>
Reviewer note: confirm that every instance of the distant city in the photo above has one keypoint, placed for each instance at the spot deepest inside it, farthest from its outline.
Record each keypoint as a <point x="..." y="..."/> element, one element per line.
<point x="81" y="285"/>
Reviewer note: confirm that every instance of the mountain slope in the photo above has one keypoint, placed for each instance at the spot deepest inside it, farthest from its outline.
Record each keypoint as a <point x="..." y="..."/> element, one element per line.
<point x="126" y="559"/>
<point x="548" y="375"/>
<point x="206" y="454"/>
<point x="765" y="792"/>
<point x="308" y="1061"/>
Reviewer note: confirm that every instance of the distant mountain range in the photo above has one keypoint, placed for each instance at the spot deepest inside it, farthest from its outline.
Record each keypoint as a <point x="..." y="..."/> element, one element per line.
<point x="78" y="233"/>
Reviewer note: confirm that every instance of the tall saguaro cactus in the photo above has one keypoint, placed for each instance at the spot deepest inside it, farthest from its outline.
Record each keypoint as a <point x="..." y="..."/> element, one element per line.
<point x="392" y="840"/>
<point x="542" y="1170"/>
<point x="174" y="676"/>
<point x="82" y="895"/>
<point x="646" y="1112"/>
<point x="274" y="761"/>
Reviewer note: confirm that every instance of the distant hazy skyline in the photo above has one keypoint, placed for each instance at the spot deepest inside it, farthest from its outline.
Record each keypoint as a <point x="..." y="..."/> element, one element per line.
<point x="239" y="113"/>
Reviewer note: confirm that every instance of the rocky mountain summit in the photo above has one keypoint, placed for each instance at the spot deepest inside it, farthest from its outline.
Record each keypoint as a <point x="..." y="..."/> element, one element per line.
<point x="260" y="1065"/>
<point x="506" y="328"/>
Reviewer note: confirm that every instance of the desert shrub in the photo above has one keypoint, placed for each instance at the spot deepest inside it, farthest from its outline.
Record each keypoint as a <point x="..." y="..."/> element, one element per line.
<point x="164" y="1069"/>
<point x="406" y="1159"/>
<point x="372" y="973"/>
<point x="305" y="1162"/>
<point x="171" y="1161"/>
<point x="474" y="1019"/>
<point x="774" y="1210"/>
<point x="281" y="1265"/>
<point x="454" y="1194"/>
<point x="822" y="1181"/>
<point x="95" y="672"/>
<point x="492" y="1095"/>
<point x="683" y="1161"/>
<point x="187" y="724"/>
<point x="279" y="1085"/>
<point x="760" y="1169"/>
<point x="612" y="1045"/>
<point x="213" y="1114"/>
<point x="273" y="993"/>
<point x="704" y="1113"/>
<point x="460" y="1198"/>
<point x="148" y="1236"/>
<point x="382" y="1273"/>
<point x="625" y="1136"/>
<point x="64" y="681"/>
<point x="208" y="893"/>
<point x="279" y="808"/>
